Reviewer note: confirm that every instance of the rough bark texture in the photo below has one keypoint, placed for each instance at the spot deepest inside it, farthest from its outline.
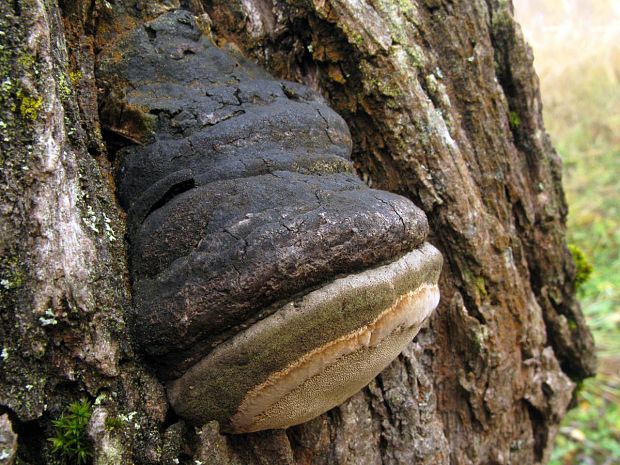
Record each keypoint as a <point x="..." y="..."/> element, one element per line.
<point x="443" y="106"/>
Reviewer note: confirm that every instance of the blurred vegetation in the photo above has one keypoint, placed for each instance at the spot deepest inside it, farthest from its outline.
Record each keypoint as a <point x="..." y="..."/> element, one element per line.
<point x="577" y="56"/>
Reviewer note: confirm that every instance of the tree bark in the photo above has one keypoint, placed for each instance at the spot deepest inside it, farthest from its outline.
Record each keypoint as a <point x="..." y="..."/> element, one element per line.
<point x="444" y="108"/>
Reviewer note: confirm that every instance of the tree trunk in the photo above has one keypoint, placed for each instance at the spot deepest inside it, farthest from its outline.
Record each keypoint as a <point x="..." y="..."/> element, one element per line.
<point x="444" y="108"/>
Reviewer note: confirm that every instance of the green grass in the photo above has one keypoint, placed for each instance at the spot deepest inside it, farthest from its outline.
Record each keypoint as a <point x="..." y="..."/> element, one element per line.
<point x="587" y="136"/>
<point x="577" y="56"/>
<point x="589" y="434"/>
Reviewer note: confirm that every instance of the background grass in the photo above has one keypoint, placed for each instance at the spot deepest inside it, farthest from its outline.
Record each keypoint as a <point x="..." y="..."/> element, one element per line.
<point x="577" y="56"/>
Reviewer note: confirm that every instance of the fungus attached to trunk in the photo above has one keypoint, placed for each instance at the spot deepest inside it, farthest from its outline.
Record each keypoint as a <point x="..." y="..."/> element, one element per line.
<point x="270" y="283"/>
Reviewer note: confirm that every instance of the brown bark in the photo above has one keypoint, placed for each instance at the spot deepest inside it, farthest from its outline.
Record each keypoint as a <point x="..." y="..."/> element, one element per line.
<point x="444" y="108"/>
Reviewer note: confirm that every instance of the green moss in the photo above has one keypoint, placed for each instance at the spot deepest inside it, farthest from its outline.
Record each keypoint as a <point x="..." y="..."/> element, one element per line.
<point x="353" y="37"/>
<point x="29" y="106"/>
<point x="388" y="87"/>
<point x="64" y="85"/>
<point x="75" y="76"/>
<point x="11" y="276"/>
<point x="356" y="38"/>
<point x="406" y="6"/>
<point x="583" y="267"/>
<point x="431" y="84"/>
<point x="481" y="286"/>
<point x="26" y="60"/>
<point x="70" y="442"/>
<point x="416" y="56"/>
<point x="477" y="282"/>
<point x="113" y="423"/>
<point x="514" y="119"/>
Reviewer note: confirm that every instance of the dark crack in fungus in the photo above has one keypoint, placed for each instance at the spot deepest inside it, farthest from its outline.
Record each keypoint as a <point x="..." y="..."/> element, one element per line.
<point x="270" y="283"/>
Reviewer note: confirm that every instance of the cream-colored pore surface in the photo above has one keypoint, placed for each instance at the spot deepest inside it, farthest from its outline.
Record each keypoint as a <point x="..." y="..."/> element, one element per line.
<point x="330" y="374"/>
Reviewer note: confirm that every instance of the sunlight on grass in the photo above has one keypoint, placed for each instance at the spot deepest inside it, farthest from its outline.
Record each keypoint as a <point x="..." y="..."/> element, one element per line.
<point x="577" y="56"/>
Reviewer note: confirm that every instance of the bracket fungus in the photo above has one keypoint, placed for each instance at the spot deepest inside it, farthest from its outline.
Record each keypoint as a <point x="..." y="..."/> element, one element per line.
<point x="270" y="283"/>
